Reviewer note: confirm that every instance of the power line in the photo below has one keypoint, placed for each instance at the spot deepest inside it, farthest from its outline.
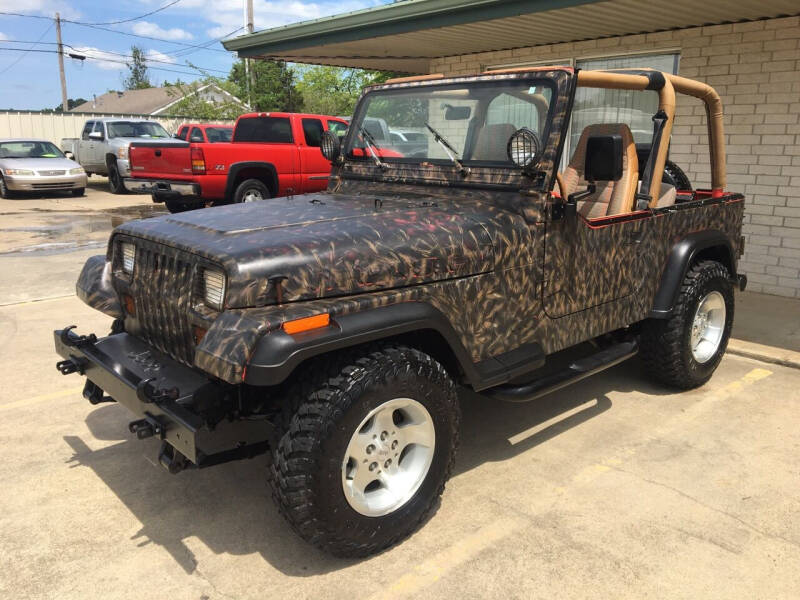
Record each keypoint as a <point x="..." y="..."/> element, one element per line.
<point x="135" y="35"/>
<point x="88" y="51"/>
<point x="95" y="58"/>
<point x="152" y="12"/>
<point x="24" y="54"/>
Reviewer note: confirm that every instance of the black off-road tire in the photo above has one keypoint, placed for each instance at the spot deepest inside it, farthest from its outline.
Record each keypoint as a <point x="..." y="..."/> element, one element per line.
<point x="248" y="186"/>
<point x="665" y="345"/>
<point x="332" y="399"/>
<point x="675" y="176"/>
<point x="79" y="192"/>
<point x="115" y="184"/>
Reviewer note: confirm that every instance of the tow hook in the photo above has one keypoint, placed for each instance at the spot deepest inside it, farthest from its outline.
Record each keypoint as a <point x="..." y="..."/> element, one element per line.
<point x="94" y="394"/>
<point x="146" y="428"/>
<point x="172" y="460"/>
<point x="68" y="339"/>
<point x="73" y="364"/>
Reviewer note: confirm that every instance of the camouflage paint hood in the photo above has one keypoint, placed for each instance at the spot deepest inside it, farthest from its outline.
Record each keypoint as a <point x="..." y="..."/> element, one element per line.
<point x="329" y="244"/>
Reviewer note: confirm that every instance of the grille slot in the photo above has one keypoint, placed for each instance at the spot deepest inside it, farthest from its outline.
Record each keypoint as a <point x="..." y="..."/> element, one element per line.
<point x="163" y="294"/>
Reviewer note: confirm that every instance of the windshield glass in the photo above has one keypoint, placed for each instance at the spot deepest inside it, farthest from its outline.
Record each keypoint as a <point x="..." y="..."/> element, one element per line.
<point x="29" y="150"/>
<point x="136" y="129"/>
<point x="474" y="119"/>
<point x="219" y="134"/>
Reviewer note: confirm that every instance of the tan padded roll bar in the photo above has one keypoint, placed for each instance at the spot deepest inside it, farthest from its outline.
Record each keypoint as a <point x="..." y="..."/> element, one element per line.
<point x="716" y="128"/>
<point x="666" y="102"/>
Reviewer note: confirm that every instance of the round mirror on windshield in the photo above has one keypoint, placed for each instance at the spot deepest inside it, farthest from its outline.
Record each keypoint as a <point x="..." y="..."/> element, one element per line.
<point x="524" y="148"/>
<point x="330" y="146"/>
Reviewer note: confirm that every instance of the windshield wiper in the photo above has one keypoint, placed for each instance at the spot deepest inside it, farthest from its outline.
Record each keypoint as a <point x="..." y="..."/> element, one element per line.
<point x="372" y="146"/>
<point x="452" y="153"/>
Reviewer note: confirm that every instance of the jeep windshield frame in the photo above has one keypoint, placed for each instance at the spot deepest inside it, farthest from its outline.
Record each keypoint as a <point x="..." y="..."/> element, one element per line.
<point x="477" y="115"/>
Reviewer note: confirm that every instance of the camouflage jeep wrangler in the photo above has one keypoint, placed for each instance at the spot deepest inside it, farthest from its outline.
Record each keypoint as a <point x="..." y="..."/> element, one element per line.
<point x="332" y="330"/>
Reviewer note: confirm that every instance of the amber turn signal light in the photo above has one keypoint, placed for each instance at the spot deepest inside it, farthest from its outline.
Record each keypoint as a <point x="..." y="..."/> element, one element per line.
<point x="300" y="325"/>
<point x="130" y="306"/>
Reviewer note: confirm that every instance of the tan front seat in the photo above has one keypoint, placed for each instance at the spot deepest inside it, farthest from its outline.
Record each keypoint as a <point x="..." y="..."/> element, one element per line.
<point x="492" y="142"/>
<point x="611" y="197"/>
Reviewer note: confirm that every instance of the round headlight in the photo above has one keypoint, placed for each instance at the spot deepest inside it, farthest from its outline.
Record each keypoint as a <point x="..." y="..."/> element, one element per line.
<point x="524" y="148"/>
<point x="330" y="146"/>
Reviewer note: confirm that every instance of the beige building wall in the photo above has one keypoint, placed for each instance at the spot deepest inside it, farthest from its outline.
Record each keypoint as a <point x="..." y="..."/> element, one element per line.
<point x="755" y="67"/>
<point x="56" y="126"/>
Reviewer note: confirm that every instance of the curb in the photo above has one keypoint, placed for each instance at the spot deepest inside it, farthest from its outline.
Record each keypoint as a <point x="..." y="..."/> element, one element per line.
<point x="768" y="354"/>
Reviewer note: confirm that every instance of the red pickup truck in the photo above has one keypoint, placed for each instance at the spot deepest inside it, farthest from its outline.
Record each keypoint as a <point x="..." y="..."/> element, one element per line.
<point x="202" y="133"/>
<point x="271" y="154"/>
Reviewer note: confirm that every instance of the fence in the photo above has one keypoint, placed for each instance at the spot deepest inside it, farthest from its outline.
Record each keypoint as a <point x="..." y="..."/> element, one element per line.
<point x="55" y="126"/>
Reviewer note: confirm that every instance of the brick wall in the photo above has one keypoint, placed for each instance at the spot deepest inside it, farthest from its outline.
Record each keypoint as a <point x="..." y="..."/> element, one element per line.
<point x="755" y="67"/>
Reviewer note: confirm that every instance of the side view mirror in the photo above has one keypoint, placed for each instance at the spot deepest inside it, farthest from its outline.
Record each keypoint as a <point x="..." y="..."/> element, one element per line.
<point x="603" y="158"/>
<point x="331" y="146"/>
<point x="96" y="135"/>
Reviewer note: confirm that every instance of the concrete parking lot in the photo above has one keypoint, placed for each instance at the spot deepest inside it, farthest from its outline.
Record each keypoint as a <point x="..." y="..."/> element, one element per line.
<point x="613" y="488"/>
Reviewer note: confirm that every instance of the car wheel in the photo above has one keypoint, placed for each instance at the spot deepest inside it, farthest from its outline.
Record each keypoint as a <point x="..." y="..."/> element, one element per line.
<point x="176" y="206"/>
<point x="78" y="191"/>
<point x="115" y="180"/>
<point x="367" y="451"/>
<point x="685" y="350"/>
<point x="251" y="190"/>
<point x="4" y="191"/>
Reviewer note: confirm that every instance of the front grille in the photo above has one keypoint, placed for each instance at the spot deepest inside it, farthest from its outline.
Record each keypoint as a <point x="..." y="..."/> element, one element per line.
<point x="51" y="173"/>
<point x="52" y="186"/>
<point x="162" y="285"/>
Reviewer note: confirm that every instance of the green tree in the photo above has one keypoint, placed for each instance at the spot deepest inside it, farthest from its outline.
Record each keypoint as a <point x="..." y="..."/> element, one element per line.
<point x="138" y="78"/>
<point x="195" y="102"/>
<point x="274" y="87"/>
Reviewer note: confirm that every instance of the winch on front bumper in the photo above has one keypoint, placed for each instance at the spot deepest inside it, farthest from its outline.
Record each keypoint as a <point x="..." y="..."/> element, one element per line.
<point x="164" y="394"/>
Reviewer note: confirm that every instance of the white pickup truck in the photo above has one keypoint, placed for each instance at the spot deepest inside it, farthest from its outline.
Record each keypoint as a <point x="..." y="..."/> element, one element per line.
<point x="104" y="143"/>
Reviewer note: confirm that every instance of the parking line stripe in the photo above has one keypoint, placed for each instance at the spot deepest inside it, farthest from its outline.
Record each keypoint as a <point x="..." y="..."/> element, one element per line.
<point x="432" y="570"/>
<point x="42" y="398"/>
<point x="36" y="300"/>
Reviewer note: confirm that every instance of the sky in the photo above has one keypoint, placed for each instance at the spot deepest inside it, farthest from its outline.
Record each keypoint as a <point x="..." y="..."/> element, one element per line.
<point x="30" y="80"/>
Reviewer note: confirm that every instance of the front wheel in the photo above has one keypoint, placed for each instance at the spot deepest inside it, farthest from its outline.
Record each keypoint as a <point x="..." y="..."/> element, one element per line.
<point x="4" y="191"/>
<point x="115" y="180"/>
<point x="685" y="350"/>
<point x="368" y="451"/>
<point x="251" y="190"/>
<point x="78" y="192"/>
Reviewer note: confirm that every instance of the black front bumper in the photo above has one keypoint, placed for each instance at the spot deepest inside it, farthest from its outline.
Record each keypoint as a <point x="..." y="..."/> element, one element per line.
<point x="160" y="392"/>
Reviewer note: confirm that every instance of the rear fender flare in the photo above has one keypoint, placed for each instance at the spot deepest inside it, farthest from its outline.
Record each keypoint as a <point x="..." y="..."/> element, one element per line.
<point x="684" y="253"/>
<point x="263" y="168"/>
<point x="278" y="354"/>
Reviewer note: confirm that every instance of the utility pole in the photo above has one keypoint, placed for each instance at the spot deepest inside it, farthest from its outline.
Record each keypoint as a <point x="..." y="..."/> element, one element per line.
<point x="64" y="103"/>
<point x="248" y="73"/>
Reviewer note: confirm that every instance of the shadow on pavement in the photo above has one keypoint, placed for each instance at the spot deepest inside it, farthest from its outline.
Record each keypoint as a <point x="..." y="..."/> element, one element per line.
<point x="229" y="509"/>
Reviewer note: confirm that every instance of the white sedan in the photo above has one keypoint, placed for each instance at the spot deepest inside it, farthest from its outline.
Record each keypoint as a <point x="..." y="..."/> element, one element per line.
<point x="37" y="166"/>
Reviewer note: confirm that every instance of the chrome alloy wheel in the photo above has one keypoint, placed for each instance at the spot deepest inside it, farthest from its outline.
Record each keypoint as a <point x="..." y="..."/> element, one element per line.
<point x="708" y="327"/>
<point x="388" y="457"/>
<point x="252" y="195"/>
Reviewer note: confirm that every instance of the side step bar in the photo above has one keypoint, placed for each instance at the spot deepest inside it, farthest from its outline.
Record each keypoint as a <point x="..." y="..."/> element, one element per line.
<point x="579" y="369"/>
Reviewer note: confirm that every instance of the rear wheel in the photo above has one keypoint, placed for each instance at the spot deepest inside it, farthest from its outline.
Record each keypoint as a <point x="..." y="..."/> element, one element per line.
<point x="368" y="451"/>
<point x="251" y="190"/>
<point x="115" y="180"/>
<point x="685" y="350"/>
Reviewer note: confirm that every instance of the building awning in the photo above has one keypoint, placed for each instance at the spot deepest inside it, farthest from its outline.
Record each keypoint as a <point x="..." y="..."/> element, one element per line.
<point x="406" y="35"/>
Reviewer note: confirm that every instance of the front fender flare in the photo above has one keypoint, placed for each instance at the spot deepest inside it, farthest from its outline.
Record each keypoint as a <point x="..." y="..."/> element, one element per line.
<point x="95" y="287"/>
<point x="277" y="354"/>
